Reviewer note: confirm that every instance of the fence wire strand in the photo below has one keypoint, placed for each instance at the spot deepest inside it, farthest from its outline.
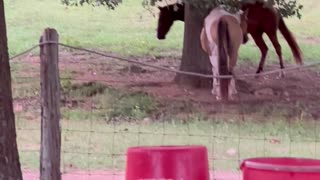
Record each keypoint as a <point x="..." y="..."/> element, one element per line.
<point x="168" y="132"/>
<point x="286" y="70"/>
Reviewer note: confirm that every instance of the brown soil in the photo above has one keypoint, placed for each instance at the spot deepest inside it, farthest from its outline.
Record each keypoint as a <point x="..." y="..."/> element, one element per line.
<point x="297" y="91"/>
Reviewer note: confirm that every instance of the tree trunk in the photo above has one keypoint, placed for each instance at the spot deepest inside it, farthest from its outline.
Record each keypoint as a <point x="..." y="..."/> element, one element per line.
<point x="194" y="59"/>
<point x="9" y="156"/>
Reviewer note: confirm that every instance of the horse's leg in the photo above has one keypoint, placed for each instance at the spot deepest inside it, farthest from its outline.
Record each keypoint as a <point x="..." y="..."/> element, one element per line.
<point x="233" y="62"/>
<point x="216" y="82"/>
<point x="232" y="87"/>
<point x="215" y="72"/>
<point x="274" y="39"/>
<point x="257" y="37"/>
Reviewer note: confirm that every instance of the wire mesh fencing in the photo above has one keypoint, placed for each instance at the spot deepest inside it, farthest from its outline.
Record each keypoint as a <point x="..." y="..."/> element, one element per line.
<point x="108" y="106"/>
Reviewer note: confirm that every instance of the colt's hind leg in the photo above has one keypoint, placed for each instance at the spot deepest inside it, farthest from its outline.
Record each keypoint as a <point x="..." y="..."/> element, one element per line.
<point x="277" y="47"/>
<point x="232" y="84"/>
<point x="263" y="49"/>
<point x="215" y="85"/>
<point x="233" y="54"/>
<point x="215" y="72"/>
<point x="232" y="89"/>
<point x="216" y="90"/>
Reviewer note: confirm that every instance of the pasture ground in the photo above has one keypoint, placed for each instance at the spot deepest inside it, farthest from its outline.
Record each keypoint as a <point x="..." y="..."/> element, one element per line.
<point x="108" y="106"/>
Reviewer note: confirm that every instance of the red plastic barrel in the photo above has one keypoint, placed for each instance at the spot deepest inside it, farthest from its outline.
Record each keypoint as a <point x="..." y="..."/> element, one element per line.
<point x="280" y="169"/>
<point x="167" y="162"/>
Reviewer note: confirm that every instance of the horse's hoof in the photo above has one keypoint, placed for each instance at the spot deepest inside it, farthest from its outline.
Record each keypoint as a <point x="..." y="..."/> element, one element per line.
<point x="233" y="95"/>
<point x="258" y="73"/>
<point x="281" y="75"/>
<point x="259" y="70"/>
<point x="213" y="92"/>
<point x="257" y="76"/>
<point x="233" y="92"/>
<point x="232" y="98"/>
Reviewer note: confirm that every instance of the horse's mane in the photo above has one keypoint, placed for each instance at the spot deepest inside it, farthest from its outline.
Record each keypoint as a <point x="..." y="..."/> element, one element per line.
<point x="165" y="3"/>
<point x="246" y="5"/>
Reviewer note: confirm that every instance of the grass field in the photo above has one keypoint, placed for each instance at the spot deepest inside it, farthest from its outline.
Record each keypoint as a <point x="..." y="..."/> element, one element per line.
<point x="130" y="29"/>
<point x="91" y="141"/>
<point x="94" y="144"/>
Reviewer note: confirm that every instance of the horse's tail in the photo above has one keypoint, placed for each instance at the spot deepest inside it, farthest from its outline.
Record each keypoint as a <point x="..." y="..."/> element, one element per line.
<point x="224" y="46"/>
<point x="291" y="41"/>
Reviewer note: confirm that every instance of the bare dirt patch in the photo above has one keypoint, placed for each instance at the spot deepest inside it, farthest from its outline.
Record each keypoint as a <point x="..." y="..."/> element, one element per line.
<point x="311" y="40"/>
<point x="298" y="91"/>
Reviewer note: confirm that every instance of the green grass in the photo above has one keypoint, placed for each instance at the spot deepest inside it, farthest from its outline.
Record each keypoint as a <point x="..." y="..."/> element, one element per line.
<point x="119" y="31"/>
<point x="97" y="137"/>
<point x="128" y="30"/>
<point x="96" y="144"/>
<point x="107" y="103"/>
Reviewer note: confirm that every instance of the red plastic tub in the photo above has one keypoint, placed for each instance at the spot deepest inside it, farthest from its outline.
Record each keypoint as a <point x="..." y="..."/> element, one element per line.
<point x="167" y="163"/>
<point x="280" y="169"/>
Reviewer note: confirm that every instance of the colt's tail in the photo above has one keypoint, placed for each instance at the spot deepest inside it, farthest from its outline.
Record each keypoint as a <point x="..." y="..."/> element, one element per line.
<point x="291" y="41"/>
<point x="224" y="46"/>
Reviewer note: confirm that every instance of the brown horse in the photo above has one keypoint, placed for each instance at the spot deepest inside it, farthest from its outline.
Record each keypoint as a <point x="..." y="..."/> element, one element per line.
<point x="220" y="38"/>
<point x="261" y="19"/>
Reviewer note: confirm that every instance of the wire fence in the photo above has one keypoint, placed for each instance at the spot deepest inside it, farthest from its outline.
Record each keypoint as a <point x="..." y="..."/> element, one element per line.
<point x="108" y="106"/>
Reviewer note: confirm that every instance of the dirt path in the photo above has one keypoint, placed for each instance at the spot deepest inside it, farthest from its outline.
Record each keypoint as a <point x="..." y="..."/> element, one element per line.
<point x="109" y="175"/>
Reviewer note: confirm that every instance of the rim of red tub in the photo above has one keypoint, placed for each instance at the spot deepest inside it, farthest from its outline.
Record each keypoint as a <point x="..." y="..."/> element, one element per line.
<point x="312" y="167"/>
<point x="166" y="147"/>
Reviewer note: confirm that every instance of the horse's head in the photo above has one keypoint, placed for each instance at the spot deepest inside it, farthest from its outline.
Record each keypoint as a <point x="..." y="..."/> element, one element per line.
<point x="244" y="25"/>
<point x="167" y="16"/>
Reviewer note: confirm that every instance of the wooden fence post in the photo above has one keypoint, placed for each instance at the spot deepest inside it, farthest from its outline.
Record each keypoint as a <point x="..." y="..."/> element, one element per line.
<point x="50" y="107"/>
